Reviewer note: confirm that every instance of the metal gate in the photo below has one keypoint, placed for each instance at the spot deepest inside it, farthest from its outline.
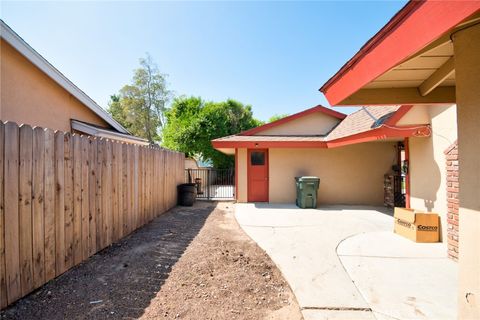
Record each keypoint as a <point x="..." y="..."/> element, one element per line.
<point x="212" y="184"/>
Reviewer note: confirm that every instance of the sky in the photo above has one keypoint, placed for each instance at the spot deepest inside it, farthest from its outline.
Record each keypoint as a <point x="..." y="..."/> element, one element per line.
<point x="271" y="55"/>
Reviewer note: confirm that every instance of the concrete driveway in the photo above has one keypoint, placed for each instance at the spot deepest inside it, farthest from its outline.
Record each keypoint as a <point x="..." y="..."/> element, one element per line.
<point x="344" y="262"/>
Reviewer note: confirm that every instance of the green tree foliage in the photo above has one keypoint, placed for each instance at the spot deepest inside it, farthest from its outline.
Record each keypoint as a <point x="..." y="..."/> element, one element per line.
<point x="140" y="106"/>
<point x="192" y="123"/>
<point x="276" y="117"/>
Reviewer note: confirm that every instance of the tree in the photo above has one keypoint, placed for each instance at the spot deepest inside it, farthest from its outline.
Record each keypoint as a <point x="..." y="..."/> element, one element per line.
<point x="192" y="123"/>
<point x="276" y="117"/>
<point x="140" y="106"/>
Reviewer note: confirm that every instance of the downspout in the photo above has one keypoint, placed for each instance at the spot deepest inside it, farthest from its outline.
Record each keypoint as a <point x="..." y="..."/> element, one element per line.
<point x="407" y="173"/>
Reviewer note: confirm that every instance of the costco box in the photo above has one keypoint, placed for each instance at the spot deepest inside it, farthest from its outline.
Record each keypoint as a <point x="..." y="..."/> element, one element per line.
<point x="416" y="226"/>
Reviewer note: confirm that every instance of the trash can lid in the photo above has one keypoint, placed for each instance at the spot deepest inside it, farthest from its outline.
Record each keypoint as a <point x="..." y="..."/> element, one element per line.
<point x="305" y="178"/>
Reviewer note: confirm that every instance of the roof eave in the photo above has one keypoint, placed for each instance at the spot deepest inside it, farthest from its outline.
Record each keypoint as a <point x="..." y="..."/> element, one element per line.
<point x="395" y="42"/>
<point x="103" y="133"/>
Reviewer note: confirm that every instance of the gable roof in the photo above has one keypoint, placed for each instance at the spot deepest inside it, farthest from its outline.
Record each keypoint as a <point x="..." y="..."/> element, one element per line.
<point x="40" y="62"/>
<point x="366" y="124"/>
<point x="318" y="108"/>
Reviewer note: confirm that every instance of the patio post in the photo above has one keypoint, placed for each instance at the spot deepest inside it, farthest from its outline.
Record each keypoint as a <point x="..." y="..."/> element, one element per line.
<point x="467" y="72"/>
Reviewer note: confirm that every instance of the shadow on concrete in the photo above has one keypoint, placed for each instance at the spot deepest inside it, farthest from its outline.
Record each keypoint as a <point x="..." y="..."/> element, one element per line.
<point x="121" y="280"/>
<point x="323" y="208"/>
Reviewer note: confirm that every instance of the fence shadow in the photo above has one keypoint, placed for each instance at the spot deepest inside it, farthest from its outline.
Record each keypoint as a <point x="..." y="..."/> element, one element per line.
<point x="120" y="281"/>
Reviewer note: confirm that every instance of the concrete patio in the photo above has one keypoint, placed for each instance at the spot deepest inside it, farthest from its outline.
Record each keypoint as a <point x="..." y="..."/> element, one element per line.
<point x="344" y="262"/>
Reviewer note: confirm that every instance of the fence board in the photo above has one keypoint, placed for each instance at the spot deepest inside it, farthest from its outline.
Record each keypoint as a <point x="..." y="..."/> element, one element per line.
<point x="49" y="204"/>
<point x="38" y="180"/>
<point x="12" y="241"/>
<point x="68" y="186"/>
<point x="107" y="195"/>
<point x="123" y="216"/>
<point x="77" y="199"/>
<point x="99" y="202"/>
<point x="92" y="185"/>
<point x="84" y="194"/>
<point x="69" y="196"/>
<point x="25" y="208"/>
<point x="59" y="203"/>
<point x="3" y="280"/>
<point x="114" y="192"/>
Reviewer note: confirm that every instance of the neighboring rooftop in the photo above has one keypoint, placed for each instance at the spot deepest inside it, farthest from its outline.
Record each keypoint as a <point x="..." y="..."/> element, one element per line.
<point x="12" y="38"/>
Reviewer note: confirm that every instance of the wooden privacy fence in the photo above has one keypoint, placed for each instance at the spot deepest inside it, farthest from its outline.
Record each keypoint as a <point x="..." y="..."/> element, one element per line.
<point x="64" y="197"/>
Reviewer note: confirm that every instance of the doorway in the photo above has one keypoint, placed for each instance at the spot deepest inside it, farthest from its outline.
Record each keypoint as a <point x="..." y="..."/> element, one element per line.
<point x="257" y="175"/>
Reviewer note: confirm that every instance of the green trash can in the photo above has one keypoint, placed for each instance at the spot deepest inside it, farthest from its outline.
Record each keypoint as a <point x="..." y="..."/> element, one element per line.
<point x="307" y="188"/>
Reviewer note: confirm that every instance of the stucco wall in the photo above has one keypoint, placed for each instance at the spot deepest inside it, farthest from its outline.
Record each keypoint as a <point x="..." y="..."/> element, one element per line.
<point x="428" y="181"/>
<point x="313" y="124"/>
<point x="349" y="175"/>
<point x="31" y="97"/>
<point x="242" y="175"/>
<point x="467" y="75"/>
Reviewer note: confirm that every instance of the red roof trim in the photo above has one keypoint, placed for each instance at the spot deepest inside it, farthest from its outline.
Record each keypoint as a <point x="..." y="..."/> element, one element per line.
<point x="268" y="144"/>
<point x="411" y="29"/>
<point x="381" y="133"/>
<point x="295" y="116"/>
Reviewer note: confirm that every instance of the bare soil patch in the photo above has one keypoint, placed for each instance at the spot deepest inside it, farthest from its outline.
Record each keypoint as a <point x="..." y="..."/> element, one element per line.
<point x="190" y="263"/>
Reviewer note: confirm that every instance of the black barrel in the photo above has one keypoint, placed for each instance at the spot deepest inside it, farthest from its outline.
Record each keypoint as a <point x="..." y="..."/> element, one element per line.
<point x="187" y="193"/>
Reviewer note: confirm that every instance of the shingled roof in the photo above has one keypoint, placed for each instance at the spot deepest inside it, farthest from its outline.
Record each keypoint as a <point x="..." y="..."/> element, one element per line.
<point x="365" y="119"/>
<point x="367" y="124"/>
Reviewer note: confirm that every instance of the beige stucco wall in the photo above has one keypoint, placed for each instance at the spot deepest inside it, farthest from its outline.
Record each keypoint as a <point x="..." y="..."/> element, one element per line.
<point x="313" y="124"/>
<point x="349" y="175"/>
<point x="417" y="115"/>
<point x="29" y="96"/>
<point x="467" y="75"/>
<point x="242" y="179"/>
<point x="427" y="162"/>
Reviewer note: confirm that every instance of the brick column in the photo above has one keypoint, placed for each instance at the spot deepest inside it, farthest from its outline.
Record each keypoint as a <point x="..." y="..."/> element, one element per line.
<point x="451" y="155"/>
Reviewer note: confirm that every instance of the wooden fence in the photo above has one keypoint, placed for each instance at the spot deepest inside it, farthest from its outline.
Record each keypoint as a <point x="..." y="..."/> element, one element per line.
<point x="64" y="197"/>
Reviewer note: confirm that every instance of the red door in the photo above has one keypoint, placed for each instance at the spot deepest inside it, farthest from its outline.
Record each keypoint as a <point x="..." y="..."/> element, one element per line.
<point x="258" y="175"/>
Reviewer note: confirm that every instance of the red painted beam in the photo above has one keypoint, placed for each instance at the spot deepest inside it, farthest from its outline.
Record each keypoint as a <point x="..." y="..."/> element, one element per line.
<point x="381" y="133"/>
<point x="267" y="144"/>
<point x="414" y="27"/>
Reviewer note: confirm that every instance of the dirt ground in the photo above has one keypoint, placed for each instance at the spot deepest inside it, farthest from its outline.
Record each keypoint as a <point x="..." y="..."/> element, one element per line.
<point x="190" y="263"/>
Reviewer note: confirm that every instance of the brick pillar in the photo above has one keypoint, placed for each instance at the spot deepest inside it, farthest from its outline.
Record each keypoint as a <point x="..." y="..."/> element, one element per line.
<point x="451" y="155"/>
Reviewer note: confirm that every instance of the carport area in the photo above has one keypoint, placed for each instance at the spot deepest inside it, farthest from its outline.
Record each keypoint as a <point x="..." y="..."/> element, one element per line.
<point x="344" y="262"/>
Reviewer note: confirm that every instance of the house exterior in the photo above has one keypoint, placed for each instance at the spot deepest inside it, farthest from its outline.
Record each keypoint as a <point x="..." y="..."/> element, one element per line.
<point x="429" y="52"/>
<point x="34" y="92"/>
<point x="351" y="154"/>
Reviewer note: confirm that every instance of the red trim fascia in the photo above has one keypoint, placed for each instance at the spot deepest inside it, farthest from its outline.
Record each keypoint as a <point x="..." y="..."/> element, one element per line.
<point x="407" y="176"/>
<point x="295" y="116"/>
<point x="236" y="174"/>
<point x="398" y="115"/>
<point x="380" y="133"/>
<point x="414" y="27"/>
<point x="268" y="144"/>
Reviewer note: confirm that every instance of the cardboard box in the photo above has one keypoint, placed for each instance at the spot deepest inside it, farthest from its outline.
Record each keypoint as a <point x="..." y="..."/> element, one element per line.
<point x="416" y="226"/>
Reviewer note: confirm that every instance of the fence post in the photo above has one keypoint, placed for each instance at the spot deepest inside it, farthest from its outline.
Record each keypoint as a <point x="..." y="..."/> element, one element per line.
<point x="208" y="184"/>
